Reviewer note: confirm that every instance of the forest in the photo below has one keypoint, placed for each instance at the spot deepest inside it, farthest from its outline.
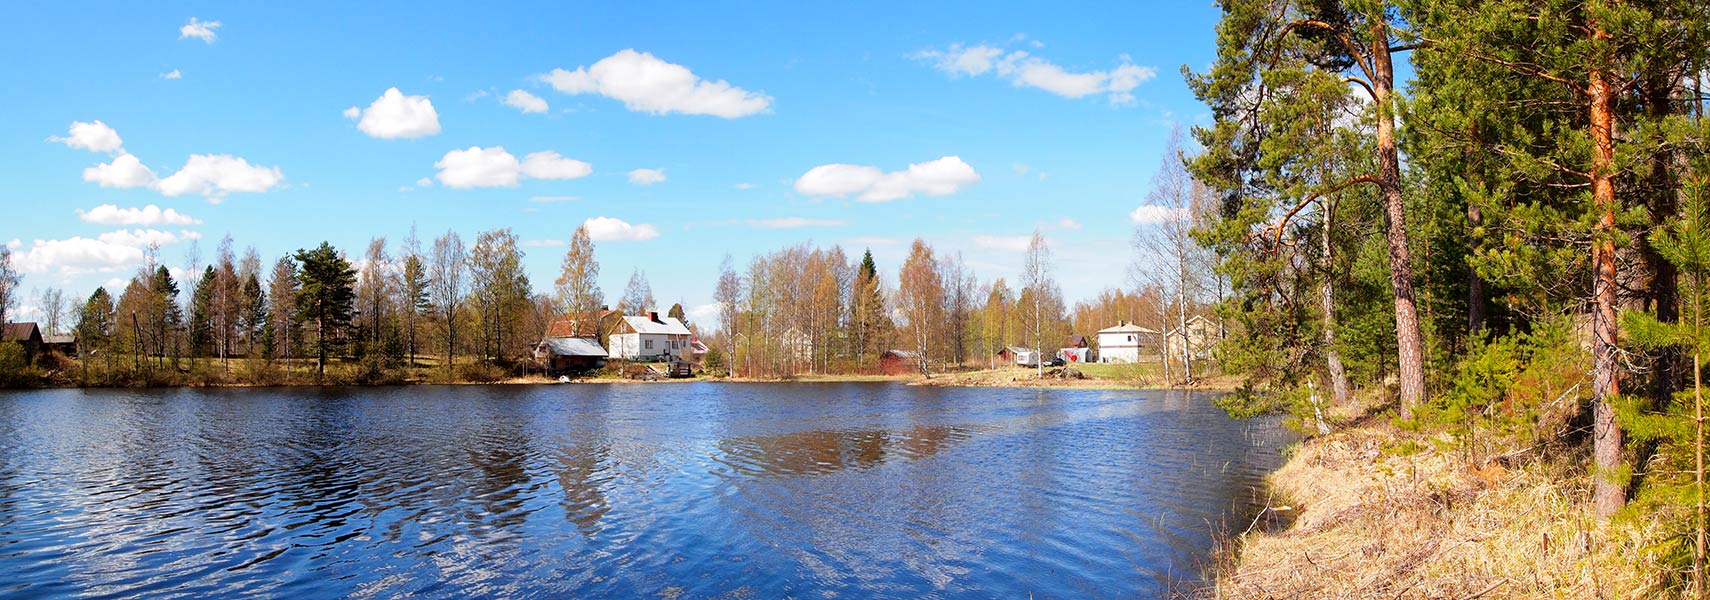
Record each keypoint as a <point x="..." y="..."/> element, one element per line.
<point x="1481" y="222"/>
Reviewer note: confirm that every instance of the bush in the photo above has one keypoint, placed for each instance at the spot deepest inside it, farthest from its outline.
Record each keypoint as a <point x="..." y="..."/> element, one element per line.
<point x="15" y="368"/>
<point x="1515" y="390"/>
<point x="480" y="372"/>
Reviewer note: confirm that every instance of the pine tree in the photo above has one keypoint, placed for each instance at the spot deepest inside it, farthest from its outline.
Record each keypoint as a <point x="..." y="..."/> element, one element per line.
<point x="1280" y="65"/>
<point x="326" y="297"/>
<point x="1684" y="243"/>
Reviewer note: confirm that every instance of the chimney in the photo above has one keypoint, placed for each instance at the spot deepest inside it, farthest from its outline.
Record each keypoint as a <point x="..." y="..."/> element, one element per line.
<point x="654" y="316"/>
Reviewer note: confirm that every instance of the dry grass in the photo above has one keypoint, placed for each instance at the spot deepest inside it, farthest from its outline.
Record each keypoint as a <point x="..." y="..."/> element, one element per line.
<point x="1380" y="513"/>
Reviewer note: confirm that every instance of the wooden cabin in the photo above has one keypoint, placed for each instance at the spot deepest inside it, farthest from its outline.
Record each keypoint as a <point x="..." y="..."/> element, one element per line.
<point x="25" y="334"/>
<point x="898" y="362"/>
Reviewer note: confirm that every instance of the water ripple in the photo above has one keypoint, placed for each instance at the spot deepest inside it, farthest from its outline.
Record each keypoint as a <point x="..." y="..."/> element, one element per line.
<point x="697" y="490"/>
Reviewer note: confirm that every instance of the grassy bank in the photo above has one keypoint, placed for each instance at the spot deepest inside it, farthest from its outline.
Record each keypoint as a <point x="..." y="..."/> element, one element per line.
<point x="1379" y="512"/>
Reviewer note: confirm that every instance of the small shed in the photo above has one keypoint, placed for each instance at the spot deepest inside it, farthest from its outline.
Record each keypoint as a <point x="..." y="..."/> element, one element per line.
<point x="25" y="334"/>
<point x="1072" y="355"/>
<point x="1010" y="355"/>
<point x="1076" y="341"/>
<point x="568" y="354"/>
<point x="898" y="362"/>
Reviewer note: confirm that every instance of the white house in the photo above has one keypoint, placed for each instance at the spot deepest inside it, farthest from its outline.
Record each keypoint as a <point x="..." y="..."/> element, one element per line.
<point x="649" y="337"/>
<point x="1122" y="343"/>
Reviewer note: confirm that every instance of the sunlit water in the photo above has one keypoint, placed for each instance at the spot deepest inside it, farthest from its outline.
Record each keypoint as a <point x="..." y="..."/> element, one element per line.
<point x="674" y="490"/>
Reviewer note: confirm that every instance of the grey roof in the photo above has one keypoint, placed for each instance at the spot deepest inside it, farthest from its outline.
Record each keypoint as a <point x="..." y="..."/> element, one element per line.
<point x="664" y="326"/>
<point x="64" y="338"/>
<point x="1129" y="328"/>
<point x="574" y="346"/>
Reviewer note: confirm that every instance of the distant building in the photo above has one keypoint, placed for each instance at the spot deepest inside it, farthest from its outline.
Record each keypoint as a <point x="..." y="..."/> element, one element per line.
<point x="650" y="337"/>
<point x="598" y="325"/>
<point x="797" y="346"/>
<point x="1200" y="337"/>
<point x="25" y="334"/>
<point x="1076" y="349"/>
<point x="65" y="344"/>
<point x="569" y="354"/>
<point x="898" y="362"/>
<point x="1122" y="343"/>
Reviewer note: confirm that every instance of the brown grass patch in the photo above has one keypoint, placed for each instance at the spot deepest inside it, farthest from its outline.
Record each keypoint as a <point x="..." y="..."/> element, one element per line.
<point x="1380" y="513"/>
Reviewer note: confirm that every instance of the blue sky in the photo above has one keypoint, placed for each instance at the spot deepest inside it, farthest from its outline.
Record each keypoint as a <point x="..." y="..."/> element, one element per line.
<point x="1014" y="116"/>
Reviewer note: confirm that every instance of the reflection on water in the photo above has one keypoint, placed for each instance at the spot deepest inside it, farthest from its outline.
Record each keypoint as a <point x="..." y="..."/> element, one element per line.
<point x="691" y="490"/>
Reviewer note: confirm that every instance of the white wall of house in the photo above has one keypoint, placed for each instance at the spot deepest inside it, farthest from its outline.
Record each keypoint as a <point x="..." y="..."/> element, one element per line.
<point x="636" y="346"/>
<point x="1122" y="348"/>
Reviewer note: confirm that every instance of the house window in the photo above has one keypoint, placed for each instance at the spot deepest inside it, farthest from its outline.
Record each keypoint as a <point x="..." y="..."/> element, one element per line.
<point x="648" y="344"/>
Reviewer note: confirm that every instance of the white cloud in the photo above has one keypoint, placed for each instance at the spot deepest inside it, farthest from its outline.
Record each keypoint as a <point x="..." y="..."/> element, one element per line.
<point x="1023" y="69"/>
<point x="608" y="229"/>
<point x="424" y="182"/>
<point x="215" y="175"/>
<point x="478" y="167"/>
<point x="394" y="115"/>
<point x="1152" y="214"/>
<point x="77" y="255"/>
<point x="961" y="61"/>
<point x="646" y="176"/>
<point x="111" y="214"/>
<point x="746" y="186"/>
<point x="173" y="74"/>
<point x="873" y="241"/>
<point x="549" y="165"/>
<point x="645" y="83"/>
<point x="202" y="30"/>
<point x="124" y="171"/>
<point x="1020" y="168"/>
<point x="940" y="177"/>
<point x="526" y="102"/>
<point x="353" y="113"/>
<point x="1015" y="243"/>
<point x="495" y="167"/>
<point x="546" y="199"/>
<point x="1064" y="223"/>
<point x="793" y="222"/>
<point x="704" y="312"/>
<point x="142" y="238"/>
<point x="94" y="136"/>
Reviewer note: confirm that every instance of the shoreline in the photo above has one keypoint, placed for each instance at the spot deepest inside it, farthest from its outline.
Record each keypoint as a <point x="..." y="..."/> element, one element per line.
<point x="979" y="378"/>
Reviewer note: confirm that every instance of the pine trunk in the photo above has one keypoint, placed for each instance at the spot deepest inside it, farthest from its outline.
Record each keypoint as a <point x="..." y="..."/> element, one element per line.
<point x="1610" y="493"/>
<point x="1410" y="347"/>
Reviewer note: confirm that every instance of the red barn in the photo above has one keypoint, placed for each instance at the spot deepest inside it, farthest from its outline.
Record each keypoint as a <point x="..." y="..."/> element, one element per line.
<point x="898" y="362"/>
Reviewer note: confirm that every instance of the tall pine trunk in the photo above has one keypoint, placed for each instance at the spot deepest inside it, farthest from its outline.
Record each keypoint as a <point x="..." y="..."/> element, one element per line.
<point x="1410" y="347"/>
<point x="1610" y="492"/>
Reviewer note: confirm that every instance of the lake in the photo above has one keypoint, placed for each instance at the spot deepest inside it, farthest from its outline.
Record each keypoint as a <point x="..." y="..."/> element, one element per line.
<point x="688" y="490"/>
